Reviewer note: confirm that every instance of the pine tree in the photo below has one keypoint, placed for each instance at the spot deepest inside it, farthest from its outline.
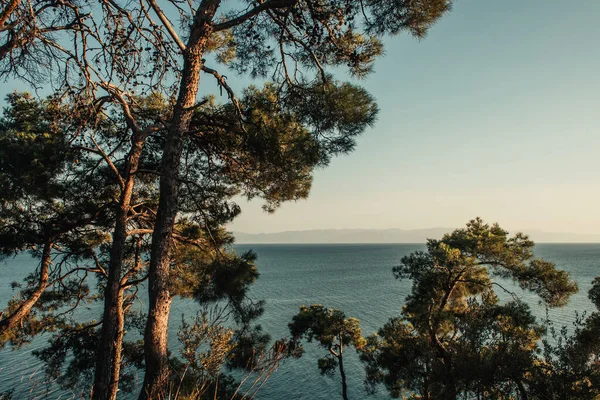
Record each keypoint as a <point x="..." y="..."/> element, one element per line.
<point x="105" y="50"/>
<point x="333" y="331"/>
<point x="569" y="366"/>
<point x="53" y="205"/>
<point x="454" y="336"/>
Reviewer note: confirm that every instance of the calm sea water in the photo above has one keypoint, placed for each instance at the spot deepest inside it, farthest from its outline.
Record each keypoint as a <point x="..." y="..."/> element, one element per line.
<point x="355" y="278"/>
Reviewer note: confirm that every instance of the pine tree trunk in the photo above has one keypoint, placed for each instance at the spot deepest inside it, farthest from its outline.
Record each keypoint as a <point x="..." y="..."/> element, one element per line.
<point x="156" y="335"/>
<point x="118" y="348"/>
<point x="5" y="14"/>
<point x="108" y="361"/>
<point x="108" y="365"/>
<point x="343" y="375"/>
<point x="25" y="308"/>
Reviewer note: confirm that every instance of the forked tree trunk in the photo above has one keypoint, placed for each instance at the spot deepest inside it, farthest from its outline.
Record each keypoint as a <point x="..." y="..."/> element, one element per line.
<point x="156" y="334"/>
<point x="25" y="307"/>
<point x="108" y="361"/>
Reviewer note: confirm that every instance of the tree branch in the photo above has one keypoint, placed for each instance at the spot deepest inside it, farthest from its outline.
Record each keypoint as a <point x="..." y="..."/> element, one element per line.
<point x="167" y="24"/>
<point x="109" y="162"/>
<point x="268" y="5"/>
<point x="223" y="84"/>
<point x="7" y="11"/>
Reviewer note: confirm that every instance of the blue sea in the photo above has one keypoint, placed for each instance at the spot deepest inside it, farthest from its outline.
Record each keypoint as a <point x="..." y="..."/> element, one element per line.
<point x="356" y="278"/>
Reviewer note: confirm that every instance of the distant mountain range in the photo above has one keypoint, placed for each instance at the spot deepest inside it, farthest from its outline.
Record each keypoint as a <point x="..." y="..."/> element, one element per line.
<point x="391" y="236"/>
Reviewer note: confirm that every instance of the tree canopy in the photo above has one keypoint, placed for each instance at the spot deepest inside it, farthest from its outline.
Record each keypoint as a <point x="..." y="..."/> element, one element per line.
<point x="333" y="331"/>
<point x="135" y="70"/>
<point x="454" y="338"/>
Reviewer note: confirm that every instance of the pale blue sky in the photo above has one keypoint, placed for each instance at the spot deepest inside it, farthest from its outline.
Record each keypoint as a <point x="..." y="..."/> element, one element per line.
<point x="495" y="114"/>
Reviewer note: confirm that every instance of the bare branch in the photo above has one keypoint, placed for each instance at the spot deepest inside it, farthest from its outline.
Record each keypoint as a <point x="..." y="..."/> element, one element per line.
<point x="230" y="93"/>
<point x="109" y="162"/>
<point x="167" y="24"/>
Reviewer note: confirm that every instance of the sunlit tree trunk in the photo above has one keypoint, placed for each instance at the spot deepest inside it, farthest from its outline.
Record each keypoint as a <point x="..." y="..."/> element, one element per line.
<point x="108" y="361"/>
<point x="5" y="14"/>
<point x="25" y="307"/>
<point x="156" y="335"/>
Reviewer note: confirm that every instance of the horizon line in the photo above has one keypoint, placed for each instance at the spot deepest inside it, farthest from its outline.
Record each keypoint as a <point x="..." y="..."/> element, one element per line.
<point x="525" y="231"/>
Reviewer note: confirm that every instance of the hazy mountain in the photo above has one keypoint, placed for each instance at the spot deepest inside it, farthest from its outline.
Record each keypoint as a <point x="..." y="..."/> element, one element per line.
<point x="390" y="236"/>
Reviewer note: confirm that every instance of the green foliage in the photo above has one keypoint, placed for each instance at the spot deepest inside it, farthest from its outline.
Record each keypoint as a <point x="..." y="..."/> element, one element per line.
<point x="570" y="364"/>
<point x="286" y="133"/>
<point x="397" y="15"/>
<point x="33" y="148"/>
<point x="79" y="343"/>
<point x="51" y="313"/>
<point x="69" y="358"/>
<point x="330" y="329"/>
<point x="212" y="349"/>
<point x="39" y="194"/>
<point x="343" y="33"/>
<point x="594" y="293"/>
<point x="207" y="346"/>
<point x="53" y="204"/>
<point x="454" y="336"/>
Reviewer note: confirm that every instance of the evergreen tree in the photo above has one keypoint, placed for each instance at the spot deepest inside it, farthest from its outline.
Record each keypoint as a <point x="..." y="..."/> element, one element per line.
<point x="53" y="205"/>
<point x="125" y="167"/>
<point x="454" y="338"/>
<point x="66" y="175"/>
<point x="95" y="50"/>
<point x="333" y="331"/>
<point x="569" y="367"/>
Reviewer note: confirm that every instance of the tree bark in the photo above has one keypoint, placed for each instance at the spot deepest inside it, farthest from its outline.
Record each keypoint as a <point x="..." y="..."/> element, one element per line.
<point x="5" y="14"/>
<point x="343" y="375"/>
<point x="108" y="361"/>
<point x="25" y="307"/>
<point x="156" y="334"/>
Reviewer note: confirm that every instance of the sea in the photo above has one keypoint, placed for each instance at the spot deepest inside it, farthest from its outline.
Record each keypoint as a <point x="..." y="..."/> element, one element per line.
<point x="355" y="278"/>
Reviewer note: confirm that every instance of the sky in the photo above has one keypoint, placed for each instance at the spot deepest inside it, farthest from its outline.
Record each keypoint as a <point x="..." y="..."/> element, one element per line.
<point x="496" y="113"/>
